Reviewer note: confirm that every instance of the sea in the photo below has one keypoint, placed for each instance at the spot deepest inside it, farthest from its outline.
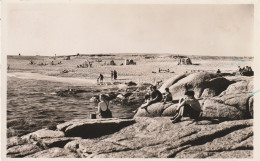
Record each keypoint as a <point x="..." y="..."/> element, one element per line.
<point x="33" y="104"/>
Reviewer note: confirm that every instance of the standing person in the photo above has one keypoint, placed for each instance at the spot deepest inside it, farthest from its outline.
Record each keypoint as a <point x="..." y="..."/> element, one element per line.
<point x="115" y="74"/>
<point x="188" y="106"/>
<point x="100" y="78"/>
<point x="156" y="96"/>
<point x="103" y="107"/>
<point x="112" y="75"/>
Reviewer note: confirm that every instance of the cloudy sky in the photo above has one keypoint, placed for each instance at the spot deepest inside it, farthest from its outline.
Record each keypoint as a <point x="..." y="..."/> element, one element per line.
<point x="67" y="28"/>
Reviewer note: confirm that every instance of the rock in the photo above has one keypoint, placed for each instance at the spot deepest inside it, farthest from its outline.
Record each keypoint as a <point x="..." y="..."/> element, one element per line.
<point x="208" y="93"/>
<point x="43" y="133"/>
<point x="54" y="153"/>
<point x="245" y="86"/>
<point x="215" y="109"/>
<point x="154" y="110"/>
<point x="89" y="148"/>
<point x="131" y="83"/>
<point x="170" y="111"/>
<point x="90" y="128"/>
<point x="57" y="142"/>
<point x="233" y="146"/>
<point x="198" y="82"/>
<point x="14" y="141"/>
<point x="156" y="137"/>
<point x="22" y="150"/>
<point x="171" y="81"/>
<point x="159" y="138"/>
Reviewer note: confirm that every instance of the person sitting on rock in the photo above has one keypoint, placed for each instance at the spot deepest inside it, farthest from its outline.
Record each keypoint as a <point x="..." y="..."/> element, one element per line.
<point x="218" y="71"/>
<point x="156" y="96"/>
<point x="167" y="96"/>
<point x="189" y="105"/>
<point x="103" y="107"/>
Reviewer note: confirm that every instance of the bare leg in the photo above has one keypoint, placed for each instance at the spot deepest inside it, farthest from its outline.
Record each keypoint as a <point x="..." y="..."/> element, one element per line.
<point x="179" y="115"/>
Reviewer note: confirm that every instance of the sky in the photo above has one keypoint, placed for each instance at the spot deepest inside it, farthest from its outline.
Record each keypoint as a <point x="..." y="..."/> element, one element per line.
<point x="71" y="28"/>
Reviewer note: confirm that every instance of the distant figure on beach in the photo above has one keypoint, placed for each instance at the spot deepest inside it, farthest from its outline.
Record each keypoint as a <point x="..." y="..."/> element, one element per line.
<point x="167" y="97"/>
<point x="218" y="71"/>
<point x="100" y="78"/>
<point x="115" y="74"/>
<point x="103" y="107"/>
<point x="156" y="96"/>
<point x="112" y="74"/>
<point x="188" y="105"/>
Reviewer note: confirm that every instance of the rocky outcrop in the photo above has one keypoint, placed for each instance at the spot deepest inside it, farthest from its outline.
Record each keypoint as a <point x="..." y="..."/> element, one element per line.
<point x="93" y="128"/>
<point x="222" y="98"/>
<point x="146" y="138"/>
<point x="198" y="82"/>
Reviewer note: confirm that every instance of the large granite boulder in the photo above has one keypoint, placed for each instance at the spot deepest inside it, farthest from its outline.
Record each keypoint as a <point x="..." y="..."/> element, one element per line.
<point x="159" y="138"/>
<point x="91" y="128"/>
<point x="147" y="137"/>
<point x="157" y="110"/>
<point x="211" y="82"/>
<point x="220" y="97"/>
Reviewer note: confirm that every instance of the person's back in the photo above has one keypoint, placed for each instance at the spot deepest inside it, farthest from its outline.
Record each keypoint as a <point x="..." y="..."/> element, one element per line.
<point x="156" y="94"/>
<point x="194" y="104"/>
<point x="103" y="108"/>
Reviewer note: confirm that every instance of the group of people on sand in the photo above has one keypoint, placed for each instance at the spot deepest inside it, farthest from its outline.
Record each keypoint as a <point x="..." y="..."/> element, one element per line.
<point x="113" y="76"/>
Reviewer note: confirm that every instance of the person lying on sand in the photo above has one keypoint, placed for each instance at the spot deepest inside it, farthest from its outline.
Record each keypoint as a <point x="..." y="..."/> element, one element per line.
<point x="167" y="97"/>
<point x="156" y="96"/>
<point x="189" y="105"/>
<point x="103" y="107"/>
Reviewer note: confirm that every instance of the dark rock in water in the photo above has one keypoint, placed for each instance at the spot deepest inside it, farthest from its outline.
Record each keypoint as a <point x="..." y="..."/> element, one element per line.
<point x="54" y="153"/>
<point x="92" y="128"/>
<point x="131" y="83"/>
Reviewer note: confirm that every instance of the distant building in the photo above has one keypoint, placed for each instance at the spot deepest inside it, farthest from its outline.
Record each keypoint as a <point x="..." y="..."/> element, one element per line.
<point x="184" y="61"/>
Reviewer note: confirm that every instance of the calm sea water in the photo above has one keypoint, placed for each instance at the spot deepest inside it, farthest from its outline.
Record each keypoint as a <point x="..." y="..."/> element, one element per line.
<point x="35" y="104"/>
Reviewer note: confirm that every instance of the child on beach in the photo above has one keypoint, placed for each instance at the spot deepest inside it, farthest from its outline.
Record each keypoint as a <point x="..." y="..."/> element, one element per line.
<point x="188" y="106"/>
<point x="103" y="107"/>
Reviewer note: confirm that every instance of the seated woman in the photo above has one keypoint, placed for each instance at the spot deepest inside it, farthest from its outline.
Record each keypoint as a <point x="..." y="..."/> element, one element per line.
<point x="103" y="107"/>
<point x="188" y="106"/>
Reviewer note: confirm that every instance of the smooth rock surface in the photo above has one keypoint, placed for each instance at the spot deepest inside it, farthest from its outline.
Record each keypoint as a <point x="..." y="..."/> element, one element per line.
<point x="155" y="137"/>
<point x="159" y="138"/>
<point x="90" y="128"/>
<point x="54" y="153"/>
